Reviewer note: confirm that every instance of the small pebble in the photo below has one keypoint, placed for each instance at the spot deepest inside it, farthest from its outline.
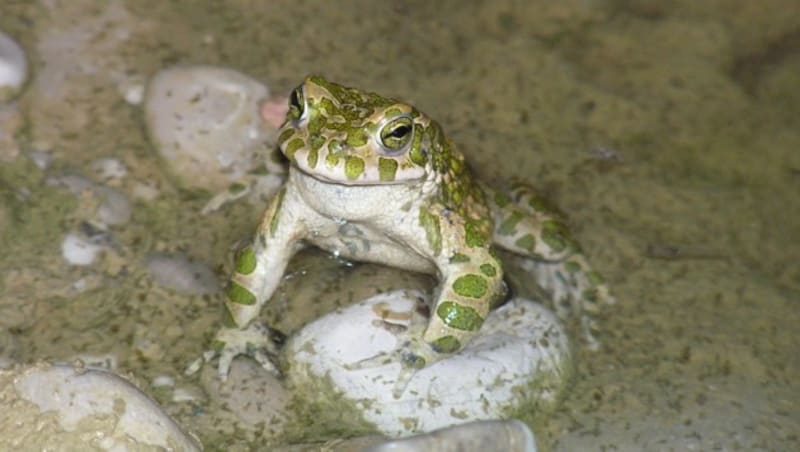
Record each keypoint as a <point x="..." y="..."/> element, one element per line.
<point x="115" y="209"/>
<point x="162" y="381"/>
<point x="79" y="250"/>
<point x="109" y="169"/>
<point x="133" y="92"/>
<point x="13" y="67"/>
<point x="181" y="395"/>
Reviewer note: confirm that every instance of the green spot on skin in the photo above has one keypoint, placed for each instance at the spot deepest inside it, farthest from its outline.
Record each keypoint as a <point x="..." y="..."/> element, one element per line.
<point x="572" y="267"/>
<point x="353" y="167"/>
<point x="590" y="295"/>
<point x="488" y="270"/>
<point x="501" y="199"/>
<point x="555" y="235"/>
<point x="416" y="155"/>
<point x="313" y="155"/>
<point x="595" y="279"/>
<point x="261" y="170"/>
<point x="246" y="261"/>
<point x="236" y="188"/>
<point x="273" y="223"/>
<point x="327" y="106"/>
<point x="473" y="234"/>
<point x="413" y="361"/>
<point x="227" y="318"/>
<point x="217" y="345"/>
<point x="526" y="242"/>
<point x="334" y="154"/>
<point x="392" y="112"/>
<point x="316" y="123"/>
<point x="387" y="169"/>
<point x="539" y="204"/>
<point x="458" y="258"/>
<point x="316" y="142"/>
<point x="357" y="137"/>
<point x="446" y="344"/>
<point x="459" y="316"/>
<point x="430" y="223"/>
<point x="292" y="147"/>
<point x="239" y="295"/>
<point x="471" y="286"/>
<point x="285" y="135"/>
<point x="510" y="224"/>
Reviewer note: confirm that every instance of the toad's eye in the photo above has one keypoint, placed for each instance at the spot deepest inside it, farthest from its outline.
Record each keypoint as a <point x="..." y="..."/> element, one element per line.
<point x="297" y="104"/>
<point x="397" y="133"/>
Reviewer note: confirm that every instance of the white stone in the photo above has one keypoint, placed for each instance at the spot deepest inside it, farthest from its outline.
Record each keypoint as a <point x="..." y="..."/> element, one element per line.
<point x="61" y="407"/>
<point x="109" y="169"/>
<point x="205" y="123"/>
<point x="79" y="250"/>
<point x="183" y="395"/>
<point x="507" y="436"/>
<point x="13" y="67"/>
<point x="520" y="358"/>
<point x="133" y="93"/>
<point x="163" y="380"/>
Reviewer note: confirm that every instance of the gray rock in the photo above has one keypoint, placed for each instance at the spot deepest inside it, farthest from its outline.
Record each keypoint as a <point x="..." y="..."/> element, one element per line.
<point x="205" y="123"/>
<point x="61" y="407"/>
<point x="13" y="67"/>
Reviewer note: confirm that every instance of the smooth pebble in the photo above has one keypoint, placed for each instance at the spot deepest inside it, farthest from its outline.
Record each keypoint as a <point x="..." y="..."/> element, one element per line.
<point x="79" y="250"/>
<point x="204" y="121"/>
<point x="13" y="67"/>
<point x="109" y="169"/>
<point x="508" y="436"/>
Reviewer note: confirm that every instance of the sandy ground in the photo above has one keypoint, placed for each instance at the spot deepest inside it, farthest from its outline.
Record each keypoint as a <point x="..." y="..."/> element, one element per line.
<point x="669" y="135"/>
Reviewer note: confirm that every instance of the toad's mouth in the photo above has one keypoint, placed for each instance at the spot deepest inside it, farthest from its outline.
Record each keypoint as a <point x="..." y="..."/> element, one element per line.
<point x="356" y="174"/>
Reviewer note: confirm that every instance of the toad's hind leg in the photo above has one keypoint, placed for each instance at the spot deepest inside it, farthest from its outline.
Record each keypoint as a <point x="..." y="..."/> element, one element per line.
<point x="527" y="225"/>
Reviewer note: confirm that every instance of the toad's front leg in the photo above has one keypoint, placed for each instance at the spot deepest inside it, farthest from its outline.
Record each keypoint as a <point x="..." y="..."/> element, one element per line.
<point x="257" y="272"/>
<point x="471" y="284"/>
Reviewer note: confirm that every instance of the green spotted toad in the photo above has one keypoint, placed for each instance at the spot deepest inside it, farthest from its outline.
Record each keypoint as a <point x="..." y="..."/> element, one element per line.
<point x="374" y="179"/>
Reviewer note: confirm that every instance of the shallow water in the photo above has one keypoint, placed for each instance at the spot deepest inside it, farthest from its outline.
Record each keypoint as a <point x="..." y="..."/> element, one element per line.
<point x="669" y="135"/>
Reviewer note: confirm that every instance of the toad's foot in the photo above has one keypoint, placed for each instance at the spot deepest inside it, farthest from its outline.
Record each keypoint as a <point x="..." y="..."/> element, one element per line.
<point x="413" y="353"/>
<point x="257" y="341"/>
<point x="412" y="356"/>
<point x="575" y="290"/>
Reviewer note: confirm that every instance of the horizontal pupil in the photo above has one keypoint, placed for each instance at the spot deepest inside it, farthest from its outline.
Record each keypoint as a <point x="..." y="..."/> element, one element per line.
<point x="399" y="131"/>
